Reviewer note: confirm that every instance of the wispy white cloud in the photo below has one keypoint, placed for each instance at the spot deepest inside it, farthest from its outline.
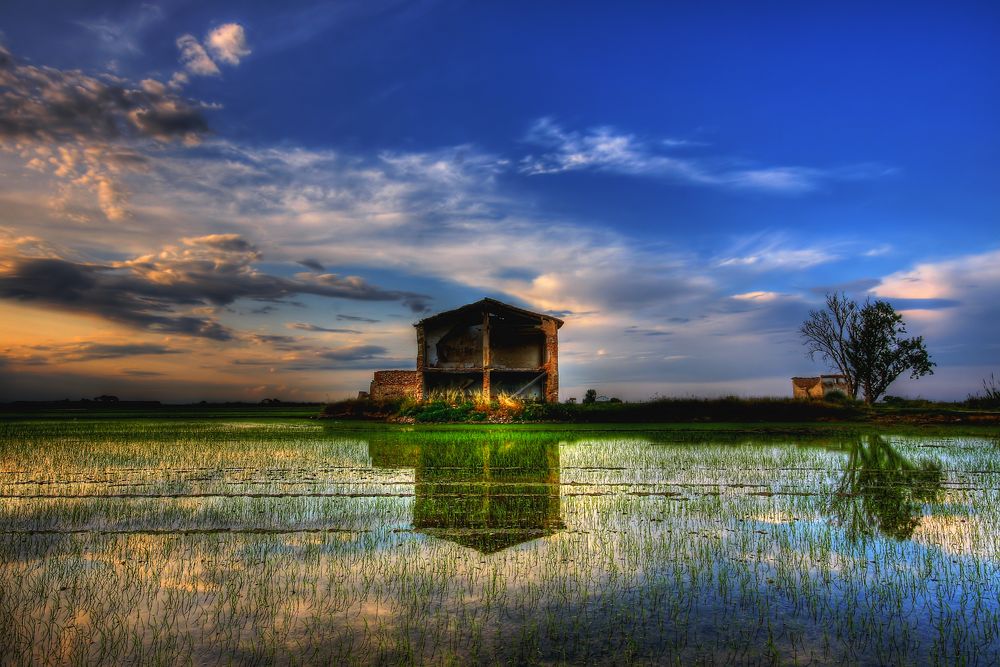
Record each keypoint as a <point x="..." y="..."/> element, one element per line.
<point x="228" y="43"/>
<point x="775" y="251"/>
<point x="600" y="148"/>
<point x="607" y="149"/>
<point x="194" y="57"/>
<point x="758" y="295"/>
<point x="121" y="35"/>
<point x="969" y="277"/>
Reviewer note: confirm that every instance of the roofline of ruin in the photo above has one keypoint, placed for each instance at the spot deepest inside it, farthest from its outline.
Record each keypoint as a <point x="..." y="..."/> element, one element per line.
<point x="490" y="302"/>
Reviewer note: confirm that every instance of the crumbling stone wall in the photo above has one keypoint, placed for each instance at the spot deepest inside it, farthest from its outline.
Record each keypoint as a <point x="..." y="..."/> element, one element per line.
<point x="820" y="386"/>
<point x="391" y="385"/>
<point x="807" y="388"/>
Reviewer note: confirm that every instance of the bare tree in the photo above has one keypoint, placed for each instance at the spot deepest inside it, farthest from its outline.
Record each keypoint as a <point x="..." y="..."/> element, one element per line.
<point x="827" y="332"/>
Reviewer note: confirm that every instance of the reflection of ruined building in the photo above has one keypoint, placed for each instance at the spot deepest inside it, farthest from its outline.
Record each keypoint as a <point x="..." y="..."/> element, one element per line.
<point x="820" y="386"/>
<point x="486" y="346"/>
<point x="487" y="495"/>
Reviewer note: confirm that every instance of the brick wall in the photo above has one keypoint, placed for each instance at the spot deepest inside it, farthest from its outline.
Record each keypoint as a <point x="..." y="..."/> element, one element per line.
<point x="551" y="330"/>
<point x="388" y="385"/>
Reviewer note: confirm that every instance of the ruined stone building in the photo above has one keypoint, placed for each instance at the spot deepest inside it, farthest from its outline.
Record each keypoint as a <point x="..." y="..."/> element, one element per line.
<point x="819" y="386"/>
<point x="487" y="346"/>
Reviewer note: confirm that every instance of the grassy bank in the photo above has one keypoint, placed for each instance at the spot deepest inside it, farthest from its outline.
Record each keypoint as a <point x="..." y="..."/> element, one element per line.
<point x="463" y="409"/>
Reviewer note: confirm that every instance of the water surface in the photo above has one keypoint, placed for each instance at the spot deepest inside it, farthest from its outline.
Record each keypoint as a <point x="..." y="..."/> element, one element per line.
<point x="297" y="541"/>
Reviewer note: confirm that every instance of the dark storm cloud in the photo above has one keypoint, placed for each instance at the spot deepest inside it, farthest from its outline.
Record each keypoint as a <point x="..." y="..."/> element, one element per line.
<point x="306" y="326"/>
<point x="178" y="289"/>
<point x="47" y="105"/>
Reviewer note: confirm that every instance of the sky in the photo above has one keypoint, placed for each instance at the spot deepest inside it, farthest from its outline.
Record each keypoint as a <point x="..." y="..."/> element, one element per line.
<point x="238" y="201"/>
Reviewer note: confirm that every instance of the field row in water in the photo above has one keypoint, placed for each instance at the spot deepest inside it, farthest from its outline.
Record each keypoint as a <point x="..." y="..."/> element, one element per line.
<point x="308" y="542"/>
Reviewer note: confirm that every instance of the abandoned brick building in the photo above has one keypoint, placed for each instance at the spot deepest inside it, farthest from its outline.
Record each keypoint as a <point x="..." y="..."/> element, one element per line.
<point x="819" y="386"/>
<point x="487" y="346"/>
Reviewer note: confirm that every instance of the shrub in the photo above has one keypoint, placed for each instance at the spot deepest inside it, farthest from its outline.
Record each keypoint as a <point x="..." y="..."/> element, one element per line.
<point x="508" y="406"/>
<point x="990" y="398"/>
<point x="837" y="396"/>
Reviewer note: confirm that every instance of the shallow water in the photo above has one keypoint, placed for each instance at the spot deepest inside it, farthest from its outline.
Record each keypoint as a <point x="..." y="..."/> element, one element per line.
<point x="296" y="541"/>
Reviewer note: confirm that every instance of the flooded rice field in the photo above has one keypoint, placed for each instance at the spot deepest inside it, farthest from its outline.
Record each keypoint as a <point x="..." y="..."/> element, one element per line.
<point x="297" y="541"/>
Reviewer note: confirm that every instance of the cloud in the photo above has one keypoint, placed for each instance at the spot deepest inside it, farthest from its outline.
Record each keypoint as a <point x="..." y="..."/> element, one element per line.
<point x="360" y="356"/>
<point x="121" y="36"/>
<point x="305" y="326"/>
<point x="949" y="302"/>
<point x="79" y="127"/>
<point x="228" y="43"/>
<point x="354" y="353"/>
<point x="850" y="287"/>
<point x="757" y="296"/>
<point x="776" y="179"/>
<point x="355" y="318"/>
<point x="75" y="352"/>
<point x="194" y="57"/>
<point x="277" y="341"/>
<point x="434" y="215"/>
<point x="364" y="356"/>
<point x="607" y="149"/>
<point x="312" y="264"/>
<point x="776" y="252"/>
<point x="176" y="289"/>
<point x="44" y="105"/>
<point x="634" y="330"/>
<point x="600" y="148"/>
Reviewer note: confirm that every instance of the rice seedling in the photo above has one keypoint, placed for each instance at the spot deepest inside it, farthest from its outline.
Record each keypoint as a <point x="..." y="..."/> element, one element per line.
<point x="296" y="541"/>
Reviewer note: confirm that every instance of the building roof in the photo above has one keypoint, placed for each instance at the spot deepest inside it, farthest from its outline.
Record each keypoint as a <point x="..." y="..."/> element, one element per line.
<point x="491" y="305"/>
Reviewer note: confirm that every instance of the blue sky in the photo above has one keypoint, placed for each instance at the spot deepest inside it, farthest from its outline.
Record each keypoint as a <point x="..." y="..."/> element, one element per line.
<point x="683" y="182"/>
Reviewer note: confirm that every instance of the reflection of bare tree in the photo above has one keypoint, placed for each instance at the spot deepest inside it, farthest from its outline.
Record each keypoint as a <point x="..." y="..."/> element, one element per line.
<point x="883" y="490"/>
